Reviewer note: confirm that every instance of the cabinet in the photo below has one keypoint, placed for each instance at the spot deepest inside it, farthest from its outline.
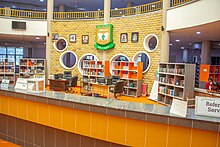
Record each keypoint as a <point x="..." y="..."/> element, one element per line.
<point x="7" y="70"/>
<point x="92" y="72"/>
<point x="209" y="71"/>
<point x="131" y="73"/>
<point x="29" y="67"/>
<point x="176" y="81"/>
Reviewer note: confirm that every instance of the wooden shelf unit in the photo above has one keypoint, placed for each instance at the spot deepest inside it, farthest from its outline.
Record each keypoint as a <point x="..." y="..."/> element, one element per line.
<point x="34" y="66"/>
<point x="7" y="70"/>
<point x="212" y="71"/>
<point x="131" y="73"/>
<point x="92" y="70"/>
<point x="176" y="81"/>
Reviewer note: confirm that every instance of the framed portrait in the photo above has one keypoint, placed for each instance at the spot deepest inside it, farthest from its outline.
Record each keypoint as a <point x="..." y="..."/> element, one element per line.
<point x="85" y="39"/>
<point x="124" y="38"/>
<point x="134" y="37"/>
<point x="55" y="36"/>
<point x="72" y="38"/>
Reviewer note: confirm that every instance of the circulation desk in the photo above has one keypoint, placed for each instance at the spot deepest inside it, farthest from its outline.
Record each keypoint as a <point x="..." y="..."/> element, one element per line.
<point x="51" y="118"/>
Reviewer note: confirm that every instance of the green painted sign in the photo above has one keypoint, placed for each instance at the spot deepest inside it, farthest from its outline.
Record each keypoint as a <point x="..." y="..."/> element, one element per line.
<point x="104" y="37"/>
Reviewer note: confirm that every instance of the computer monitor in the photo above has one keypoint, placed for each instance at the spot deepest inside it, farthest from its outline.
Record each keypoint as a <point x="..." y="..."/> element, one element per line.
<point x="56" y="76"/>
<point x="101" y="80"/>
<point x="67" y="74"/>
<point x="115" y="79"/>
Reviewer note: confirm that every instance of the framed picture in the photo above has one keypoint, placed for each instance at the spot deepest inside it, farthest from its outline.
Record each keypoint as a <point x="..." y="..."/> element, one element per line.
<point x="85" y="39"/>
<point x="124" y="37"/>
<point x="72" y="38"/>
<point x="55" y="36"/>
<point x="134" y="37"/>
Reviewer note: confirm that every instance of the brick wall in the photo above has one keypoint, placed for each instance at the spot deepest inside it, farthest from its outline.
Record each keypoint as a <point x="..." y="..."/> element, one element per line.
<point x="145" y="24"/>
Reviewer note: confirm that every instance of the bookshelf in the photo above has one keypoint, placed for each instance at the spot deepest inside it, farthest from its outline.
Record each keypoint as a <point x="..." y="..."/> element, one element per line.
<point x="212" y="71"/>
<point x="29" y="67"/>
<point x="176" y="81"/>
<point x="131" y="73"/>
<point x="92" y="70"/>
<point x="7" y="70"/>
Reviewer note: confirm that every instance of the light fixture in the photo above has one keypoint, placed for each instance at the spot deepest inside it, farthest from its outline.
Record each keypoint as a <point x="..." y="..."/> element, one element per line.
<point x="219" y="44"/>
<point x="153" y="6"/>
<point x="41" y="0"/>
<point x="45" y="9"/>
<point x="123" y="16"/>
<point x="177" y="40"/>
<point x="37" y="38"/>
<point x="170" y="44"/>
<point x="198" y="33"/>
<point x="45" y="43"/>
<point x="116" y="8"/>
<point x="190" y="43"/>
<point x="182" y="47"/>
<point x="13" y="6"/>
<point x="98" y="9"/>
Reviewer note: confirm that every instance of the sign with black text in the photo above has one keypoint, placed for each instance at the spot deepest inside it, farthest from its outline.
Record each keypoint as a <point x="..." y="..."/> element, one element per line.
<point x="207" y="106"/>
<point x="5" y="84"/>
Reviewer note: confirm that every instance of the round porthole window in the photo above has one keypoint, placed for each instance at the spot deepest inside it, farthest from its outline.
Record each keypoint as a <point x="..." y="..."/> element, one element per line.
<point x="151" y="42"/>
<point x="117" y="57"/>
<point x="61" y="44"/>
<point x="83" y="58"/>
<point x="68" y="59"/>
<point x="142" y="56"/>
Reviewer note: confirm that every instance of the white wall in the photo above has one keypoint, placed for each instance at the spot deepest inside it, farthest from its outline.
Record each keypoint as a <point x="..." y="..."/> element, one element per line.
<point x="193" y="14"/>
<point x="33" y="27"/>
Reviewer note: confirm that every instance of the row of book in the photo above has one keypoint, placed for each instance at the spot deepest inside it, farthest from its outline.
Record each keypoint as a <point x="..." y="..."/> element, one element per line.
<point x="173" y="81"/>
<point x="166" y="90"/>
<point x="173" y="70"/>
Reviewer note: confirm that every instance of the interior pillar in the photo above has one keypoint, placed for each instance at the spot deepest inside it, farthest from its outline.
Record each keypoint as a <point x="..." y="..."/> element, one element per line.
<point x="107" y="7"/>
<point x="50" y="4"/>
<point x="165" y="35"/>
<point x="205" y="54"/>
<point x="185" y="55"/>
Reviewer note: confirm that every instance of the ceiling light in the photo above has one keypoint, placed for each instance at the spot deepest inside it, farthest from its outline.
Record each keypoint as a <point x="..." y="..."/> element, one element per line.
<point x="182" y="47"/>
<point x="41" y="0"/>
<point x="171" y="44"/>
<point x="198" y="33"/>
<point x="177" y="40"/>
<point x="13" y="6"/>
<point x="190" y="43"/>
<point x="37" y="38"/>
<point x="123" y="16"/>
<point x="116" y="8"/>
<point x="45" y="43"/>
<point x="45" y="9"/>
<point x="153" y="6"/>
<point x="98" y="9"/>
<point x="219" y="44"/>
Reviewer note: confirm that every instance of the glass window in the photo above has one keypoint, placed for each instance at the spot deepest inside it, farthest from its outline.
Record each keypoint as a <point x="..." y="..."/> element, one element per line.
<point x="2" y="50"/>
<point x="18" y="59"/>
<point x="19" y="51"/>
<point x="11" y="50"/>
<point x="11" y="58"/>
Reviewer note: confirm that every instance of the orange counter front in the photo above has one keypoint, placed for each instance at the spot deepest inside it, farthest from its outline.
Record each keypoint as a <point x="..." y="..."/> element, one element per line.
<point x="114" y="126"/>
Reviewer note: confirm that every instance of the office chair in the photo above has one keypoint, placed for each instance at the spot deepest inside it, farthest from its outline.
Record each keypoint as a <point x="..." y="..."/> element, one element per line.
<point x="72" y="83"/>
<point x="118" y="88"/>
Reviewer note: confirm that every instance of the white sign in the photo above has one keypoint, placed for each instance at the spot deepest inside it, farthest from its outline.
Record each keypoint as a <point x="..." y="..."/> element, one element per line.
<point x="21" y="84"/>
<point x="179" y="107"/>
<point x="5" y="84"/>
<point x="207" y="106"/>
<point x="154" y="91"/>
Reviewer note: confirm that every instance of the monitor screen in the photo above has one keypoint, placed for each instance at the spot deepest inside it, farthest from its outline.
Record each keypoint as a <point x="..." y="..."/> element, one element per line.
<point x="18" y="25"/>
<point x="101" y="80"/>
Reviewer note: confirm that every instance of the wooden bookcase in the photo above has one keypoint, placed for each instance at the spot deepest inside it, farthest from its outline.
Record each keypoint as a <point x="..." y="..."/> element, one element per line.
<point x="92" y="70"/>
<point x="31" y="66"/>
<point x="212" y="71"/>
<point x="131" y="73"/>
<point x="176" y="81"/>
<point x="7" y="70"/>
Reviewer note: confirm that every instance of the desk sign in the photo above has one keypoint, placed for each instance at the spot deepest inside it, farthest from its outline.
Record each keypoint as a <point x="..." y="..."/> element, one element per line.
<point x="207" y="106"/>
<point x="21" y="84"/>
<point x="179" y="107"/>
<point x="5" y="84"/>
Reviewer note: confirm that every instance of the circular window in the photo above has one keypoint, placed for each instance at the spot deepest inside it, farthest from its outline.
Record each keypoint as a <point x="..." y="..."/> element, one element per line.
<point x="68" y="60"/>
<point x="61" y="44"/>
<point x="142" y="56"/>
<point x="85" y="57"/>
<point x="150" y="42"/>
<point x="117" y="57"/>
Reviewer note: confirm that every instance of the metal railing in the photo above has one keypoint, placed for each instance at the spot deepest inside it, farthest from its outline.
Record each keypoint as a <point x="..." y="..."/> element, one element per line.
<point x="22" y="13"/>
<point x="137" y="10"/>
<point x="178" y="2"/>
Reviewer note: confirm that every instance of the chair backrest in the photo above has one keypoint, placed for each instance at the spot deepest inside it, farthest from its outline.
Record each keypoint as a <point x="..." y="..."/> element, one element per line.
<point x="74" y="81"/>
<point x="119" y="87"/>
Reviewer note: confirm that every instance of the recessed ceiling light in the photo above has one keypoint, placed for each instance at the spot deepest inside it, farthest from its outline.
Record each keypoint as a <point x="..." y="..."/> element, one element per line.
<point x="219" y="44"/>
<point x="45" y="43"/>
<point x="116" y="8"/>
<point x="42" y="0"/>
<point x="37" y="38"/>
<point x="45" y="9"/>
<point x="177" y="40"/>
<point x="98" y="9"/>
<point x="171" y="44"/>
<point x="153" y="6"/>
<point x="123" y="16"/>
<point x="182" y="47"/>
<point x="190" y="43"/>
<point x="198" y="33"/>
<point x="13" y="6"/>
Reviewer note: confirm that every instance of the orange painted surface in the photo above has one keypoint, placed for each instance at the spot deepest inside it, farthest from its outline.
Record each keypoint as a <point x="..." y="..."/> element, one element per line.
<point x="43" y="114"/>
<point x="4" y="143"/>
<point x="204" y="72"/>
<point x="22" y="109"/>
<point x="202" y="138"/>
<point x="4" y="105"/>
<point x="13" y="106"/>
<point x="136" y="139"/>
<point x="180" y="138"/>
<point x="55" y="116"/>
<point x="83" y="125"/>
<point x="116" y="129"/>
<point x="32" y="111"/>
<point x="99" y="126"/>
<point x="68" y="119"/>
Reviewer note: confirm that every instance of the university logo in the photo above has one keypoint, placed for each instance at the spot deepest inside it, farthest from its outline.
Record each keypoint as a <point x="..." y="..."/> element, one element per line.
<point x="104" y="37"/>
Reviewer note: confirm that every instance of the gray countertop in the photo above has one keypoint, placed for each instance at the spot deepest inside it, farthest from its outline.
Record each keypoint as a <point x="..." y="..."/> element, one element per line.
<point x="117" y="104"/>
